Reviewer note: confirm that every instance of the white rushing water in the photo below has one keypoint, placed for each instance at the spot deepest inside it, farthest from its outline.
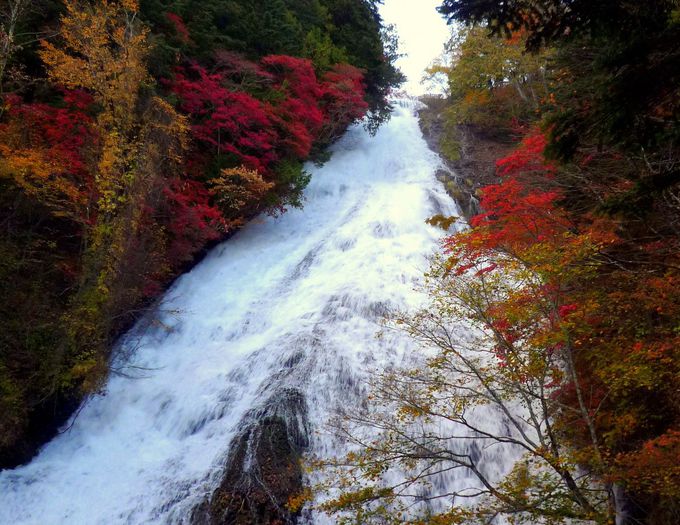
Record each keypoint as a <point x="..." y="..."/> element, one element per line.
<point x="289" y="304"/>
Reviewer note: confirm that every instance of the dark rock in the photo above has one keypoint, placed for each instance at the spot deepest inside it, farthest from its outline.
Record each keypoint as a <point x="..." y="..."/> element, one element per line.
<point x="263" y="469"/>
<point x="43" y="424"/>
<point x="478" y="151"/>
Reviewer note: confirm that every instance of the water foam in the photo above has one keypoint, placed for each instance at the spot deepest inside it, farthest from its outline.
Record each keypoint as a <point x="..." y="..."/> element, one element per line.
<point x="289" y="303"/>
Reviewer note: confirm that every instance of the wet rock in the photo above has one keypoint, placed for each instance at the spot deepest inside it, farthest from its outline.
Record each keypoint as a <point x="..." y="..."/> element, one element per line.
<point x="263" y="469"/>
<point x="442" y="175"/>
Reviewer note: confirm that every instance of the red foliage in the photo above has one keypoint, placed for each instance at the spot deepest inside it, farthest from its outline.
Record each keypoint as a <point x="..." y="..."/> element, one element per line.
<point x="295" y="111"/>
<point x="61" y="136"/>
<point x="654" y="467"/>
<point x="232" y="122"/>
<point x="527" y="157"/>
<point x="179" y="26"/>
<point x="343" y="97"/>
<point x="296" y="77"/>
<point x="63" y="131"/>
<point x="566" y="310"/>
<point x="299" y="109"/>
<point x="241" y="70"/>
<point x="515" y="214"/>
<point x="312" y="109"/>
<point x="519" y="210"/>
<point x="192" y="220"/>
<point x="298" y="115"/>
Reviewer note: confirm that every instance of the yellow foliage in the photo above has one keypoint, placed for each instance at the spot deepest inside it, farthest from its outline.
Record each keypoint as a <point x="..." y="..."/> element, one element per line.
<point x="440" y="221"/>
<point x="104" y="51"/>
<point x="239" y="190"/>
<point x="297" y="501"/>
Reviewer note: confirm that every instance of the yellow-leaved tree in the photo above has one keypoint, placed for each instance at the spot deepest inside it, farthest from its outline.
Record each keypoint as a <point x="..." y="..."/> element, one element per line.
<point x="103" y="50"/>
<point x="238" y="192"/>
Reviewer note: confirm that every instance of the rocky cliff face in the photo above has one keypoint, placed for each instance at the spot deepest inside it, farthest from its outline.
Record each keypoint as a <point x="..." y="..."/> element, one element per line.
<point x="470" y="153"/>
<point x="263" y="469"/>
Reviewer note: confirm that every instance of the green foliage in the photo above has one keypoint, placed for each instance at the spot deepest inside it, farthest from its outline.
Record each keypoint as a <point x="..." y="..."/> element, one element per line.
<point x="32" y="251"/>
<point x="620" y="92"/>
<point x="358" y="31"/>
<point x="548" y="21"/>
<point x="319" y="48"/>
<point x="449" y="144"/>
<point x="291" y="180"/>
<point x="327" y="31"/>
<point x="492" y="82"/>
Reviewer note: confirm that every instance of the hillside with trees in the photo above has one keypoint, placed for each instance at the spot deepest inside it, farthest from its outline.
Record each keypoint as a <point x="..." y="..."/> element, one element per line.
<point x="567" y="279"/>
<point x="134" y="135"/>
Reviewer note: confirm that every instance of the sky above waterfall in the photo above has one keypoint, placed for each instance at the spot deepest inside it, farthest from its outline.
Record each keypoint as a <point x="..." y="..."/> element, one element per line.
<point x="422" y="33"/>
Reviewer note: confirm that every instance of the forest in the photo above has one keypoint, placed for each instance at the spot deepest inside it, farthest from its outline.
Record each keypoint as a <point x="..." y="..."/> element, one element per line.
<point x="134" y="135"/>
<point x="137" y="134"/>
<point x="568" y="277"/>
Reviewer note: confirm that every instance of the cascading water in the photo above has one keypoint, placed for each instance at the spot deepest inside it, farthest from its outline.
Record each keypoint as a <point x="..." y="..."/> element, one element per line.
<point x="277" y="324"/>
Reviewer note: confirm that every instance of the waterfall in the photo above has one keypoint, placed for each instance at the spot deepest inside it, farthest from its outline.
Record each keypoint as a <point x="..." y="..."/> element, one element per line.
<point x="277" y="324"/>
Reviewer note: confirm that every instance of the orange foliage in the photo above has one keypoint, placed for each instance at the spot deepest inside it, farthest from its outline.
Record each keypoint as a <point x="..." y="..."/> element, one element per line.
<point x="653" y="468"/>
<point x="238" y="191"/>
<point x="43" y="150"/>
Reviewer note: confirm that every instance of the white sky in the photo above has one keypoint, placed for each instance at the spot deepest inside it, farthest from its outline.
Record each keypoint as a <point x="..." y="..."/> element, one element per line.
<point x="422" y="33"/>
